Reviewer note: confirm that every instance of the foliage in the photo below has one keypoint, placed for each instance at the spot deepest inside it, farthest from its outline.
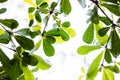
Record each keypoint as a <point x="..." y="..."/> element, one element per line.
<point x="96" y="36"/>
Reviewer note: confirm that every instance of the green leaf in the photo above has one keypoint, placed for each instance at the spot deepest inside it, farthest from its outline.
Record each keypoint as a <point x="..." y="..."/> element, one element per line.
<point x="4" y="38"/>
<point x="31" y="9"/>
<point x="94" y="67"/>
<point x="37" y="46"/>
<point x="65" y="6"/>
<point x="64" y="35"/>
<point x="1" y="1"/>
<point x="103" y="31"/>
<point x="115" y="9"/>
<point x="66" y="24"/>
<point x="42" y="64"/>
<point x="114" y="42"/>
<point x="3" y="10"/>
<point x="38" y="17"/>
<point x="53" y="4"/>
<point x="31" y="22"/>
<point x="53" y="32"/>
<point x="101" y="40"/>
<point x="51" y="39"/>
<point x="107" y="56"/>
<point x="25" y="43"/>
<point x="4" y="60"/>
<point x="112" y="1"/>
<point x="10" y="23"/>
<point x="116" y="68"/>
<point x="83" y="50"/>
<point x="33" y="34"/>
<point x="82" y="3"/>
<point x="89" y="34"/>
<point x="44" y="5"/>
<point x="105" y="20"/>
<point x="15" y="71"/>
<point x="38" y="1"/>
<point x="23" y="32"/>
<point x="27" y="73"/>
<point x="33" y="61"/>
<point x="107" y="74"/>
<point x="48" y="48"/>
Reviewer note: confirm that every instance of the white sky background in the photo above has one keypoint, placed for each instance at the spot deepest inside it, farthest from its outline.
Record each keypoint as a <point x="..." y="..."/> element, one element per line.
<point x="66" y="63"/>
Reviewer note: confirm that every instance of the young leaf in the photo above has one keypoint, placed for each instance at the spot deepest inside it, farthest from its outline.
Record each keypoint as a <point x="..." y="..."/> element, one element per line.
<point x="1" y="1"/>
<point x="113" y="8"/>
<point x="103" y="31"/>
<point x="38" y="17"/>
<point x="10" y="23"/>
<point x="94" y="67"/>
<point x="64" y="35"/>
<point x="27" y="73"/>
<point x="66" y="24"/>
<point x="42" y="64"/>
<point x="70" y="31"/>
<point x="30" y="2"/>
<point x="107" y="74"/>
<point x="48" y="48"/>
<point x="83" y="50"/>
<point x="4" y="60"/>
<point x="65" y="6"/>
<point x="82" y="3"/>
<point x="89" y="34"/>
<point x="107" y="56"/>
<point x="3" y="10"/>
<point x="25" y="43"/>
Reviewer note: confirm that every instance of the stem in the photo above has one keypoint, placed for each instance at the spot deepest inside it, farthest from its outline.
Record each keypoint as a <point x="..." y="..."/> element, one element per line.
<point x="49" y="15"/>
<point x="8" y="48"/>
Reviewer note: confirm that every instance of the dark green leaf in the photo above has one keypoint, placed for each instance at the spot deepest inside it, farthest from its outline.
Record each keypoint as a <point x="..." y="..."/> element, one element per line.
<point x="53" y="32"/>
<point x="115" y="9"/>
<point x="4" y="60"/>
<point x="103" y="31"/>
<point x="44" y="5"/>
<point x="10" y="23"/>
<point x="118" y="21"/>
<point x="89" y="34"/>
<point x="38" y="17"/>
<point x="50" y="39"/>
<point x="31" y="23"/>
<point x="25" y="43"/>
<point x="33" y="34"/>
<point x="94" y="67"/>
<point x="107" y="56"/>
<point x="31" y="9"/>
<point x="66" y="24"/>
<point x="82" y="3"/>
<point x="33" y="61"/>
<point x="83" y="50"/>
<point x="4" y="38"/>
<point x="48" y="48"/>
<point x="107" y="74"/>
<point x="26" y="59"/>
<point x="112" y="1"/>
<point x="1" y="1"/>
<point x="65" y="6"/>
<point x="53" y="5"/>
<point x="15" y="71"/>
<point x="42" y="64"/>
<point x="3" y="10"/>
<point x="114" y="42"/>
<point x="64" y="35"/>
<point x="105" y="20"/>
<point x="116" y="68"/>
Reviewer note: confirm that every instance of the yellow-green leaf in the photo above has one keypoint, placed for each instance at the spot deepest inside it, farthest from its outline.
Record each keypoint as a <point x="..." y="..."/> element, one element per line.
<point x="30" y="2"/>
<point x="1" y="31"/>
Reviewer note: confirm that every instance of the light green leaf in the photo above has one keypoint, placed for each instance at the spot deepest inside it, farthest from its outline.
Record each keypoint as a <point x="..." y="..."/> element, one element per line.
<point x="66" y="24"/>
<point x="65" y="6"/>
<point x="27" y="73"/>
<point x="48" y="48"/>
<point x="70" y="31"/>
<point x="3" y="10"/>
<point x="101" y="40"/>
<point x="103" y="31"/>
<point x="10" y="23"/>
<point x="85" y="49"/>
<point x="4" y="60"/>
<point x="42" y="64"/>
<point x="107" y="74"/>
<point x="94" y="67"/>
<point x="38" y="2"/>
<point x="25" y="43"/>
<point x="113" y="8"/>
<point x="89" y="34"/>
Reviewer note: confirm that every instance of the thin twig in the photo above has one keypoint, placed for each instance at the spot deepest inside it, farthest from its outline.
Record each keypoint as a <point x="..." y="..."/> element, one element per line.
<point x="8" y="48"/>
